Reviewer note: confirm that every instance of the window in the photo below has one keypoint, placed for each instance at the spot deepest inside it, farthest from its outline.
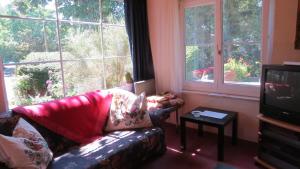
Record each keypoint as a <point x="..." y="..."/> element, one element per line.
<point x="223" y="45"/>
<point x="57" y="48"/>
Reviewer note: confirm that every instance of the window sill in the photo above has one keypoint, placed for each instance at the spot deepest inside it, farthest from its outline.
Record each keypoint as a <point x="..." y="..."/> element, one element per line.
<point x="226" y="89"/>
<point x="223" y="95"/>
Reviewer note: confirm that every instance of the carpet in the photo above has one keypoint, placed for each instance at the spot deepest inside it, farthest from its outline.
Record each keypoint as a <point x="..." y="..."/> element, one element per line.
<point x="224" y="166"/>
<point x="202" y="153"/>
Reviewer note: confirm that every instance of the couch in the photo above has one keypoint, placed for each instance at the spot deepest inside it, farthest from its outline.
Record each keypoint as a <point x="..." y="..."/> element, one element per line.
<point x="115" y="150"/>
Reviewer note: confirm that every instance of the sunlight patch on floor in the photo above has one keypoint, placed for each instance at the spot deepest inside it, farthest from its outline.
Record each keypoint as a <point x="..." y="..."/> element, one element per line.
<point x="174" y="150"/>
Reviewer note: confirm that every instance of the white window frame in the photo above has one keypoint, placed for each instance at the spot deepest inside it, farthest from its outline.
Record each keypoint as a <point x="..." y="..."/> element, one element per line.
<point x="218" y="86"/>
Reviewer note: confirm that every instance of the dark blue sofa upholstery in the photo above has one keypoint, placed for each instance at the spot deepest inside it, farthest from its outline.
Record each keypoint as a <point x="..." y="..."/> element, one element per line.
<point x="117" y="150"/>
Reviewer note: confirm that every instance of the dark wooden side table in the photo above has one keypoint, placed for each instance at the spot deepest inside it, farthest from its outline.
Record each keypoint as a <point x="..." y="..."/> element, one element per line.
<point x="214" y="122"/>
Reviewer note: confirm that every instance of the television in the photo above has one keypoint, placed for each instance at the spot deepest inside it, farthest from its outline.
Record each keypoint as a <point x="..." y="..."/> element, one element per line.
<point x="280" y="92"/>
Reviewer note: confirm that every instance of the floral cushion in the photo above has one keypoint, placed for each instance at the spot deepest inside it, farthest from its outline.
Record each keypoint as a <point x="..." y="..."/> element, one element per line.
<point x="127" y="111"/>
<point x="25" y="149"/>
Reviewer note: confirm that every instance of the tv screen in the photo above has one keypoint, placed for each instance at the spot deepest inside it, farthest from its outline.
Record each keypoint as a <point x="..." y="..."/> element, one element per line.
<point x="280" y="92"/>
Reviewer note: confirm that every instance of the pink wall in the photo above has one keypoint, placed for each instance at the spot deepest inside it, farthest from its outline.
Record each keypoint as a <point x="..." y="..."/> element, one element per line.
<point x="162" y="23"/>
<point x="285" y="32"/>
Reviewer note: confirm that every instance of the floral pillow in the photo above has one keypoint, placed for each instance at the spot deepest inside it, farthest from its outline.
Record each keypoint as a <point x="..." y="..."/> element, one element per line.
<point x="25" y="149"/>
<point x="127" y="111"/>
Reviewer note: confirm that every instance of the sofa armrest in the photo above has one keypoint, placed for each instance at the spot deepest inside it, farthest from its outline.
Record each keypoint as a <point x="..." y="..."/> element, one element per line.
<point x="159" y="116"/>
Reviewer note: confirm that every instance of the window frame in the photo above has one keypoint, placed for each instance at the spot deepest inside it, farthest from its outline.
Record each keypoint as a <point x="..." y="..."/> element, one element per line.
<point x="219" y="86"/>
<point x="61" y="61"/>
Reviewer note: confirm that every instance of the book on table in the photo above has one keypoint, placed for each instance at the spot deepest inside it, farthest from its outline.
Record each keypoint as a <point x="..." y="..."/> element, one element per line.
<point x="207" y="113"/>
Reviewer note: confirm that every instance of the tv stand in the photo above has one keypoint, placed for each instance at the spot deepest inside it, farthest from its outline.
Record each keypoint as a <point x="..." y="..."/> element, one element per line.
<point x="278" y="144"/>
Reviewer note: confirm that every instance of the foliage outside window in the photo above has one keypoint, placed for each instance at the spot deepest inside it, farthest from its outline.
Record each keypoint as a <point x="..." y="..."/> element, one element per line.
<point x="242" y="41"/>
<point x="57" y="48"/>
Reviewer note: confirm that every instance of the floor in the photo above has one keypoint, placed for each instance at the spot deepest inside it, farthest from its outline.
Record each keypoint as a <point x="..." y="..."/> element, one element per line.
<point x="201" y="152"/>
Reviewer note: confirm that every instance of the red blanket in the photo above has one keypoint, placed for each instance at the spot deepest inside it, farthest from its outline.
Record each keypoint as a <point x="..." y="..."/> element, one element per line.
<point x="79" y="118"/>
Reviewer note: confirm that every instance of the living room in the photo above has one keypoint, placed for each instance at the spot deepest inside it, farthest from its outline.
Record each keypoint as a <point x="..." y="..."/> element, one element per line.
<point x="169" y="42"/>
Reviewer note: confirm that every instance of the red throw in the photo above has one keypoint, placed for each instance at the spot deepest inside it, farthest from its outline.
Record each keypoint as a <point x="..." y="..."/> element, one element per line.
<point x="79" y="118"/>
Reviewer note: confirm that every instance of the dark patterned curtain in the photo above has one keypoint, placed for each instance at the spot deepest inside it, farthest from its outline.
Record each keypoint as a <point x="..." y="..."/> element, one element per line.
<point x="137" y="28"/>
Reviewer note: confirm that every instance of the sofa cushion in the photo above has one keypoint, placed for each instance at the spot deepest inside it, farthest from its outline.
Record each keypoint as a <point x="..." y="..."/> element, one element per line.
<point x="57" y="143"/>
<point x="25" y="149"/>
<point x="121" y="149"/>
<point x="72" y="117"/>
<point x="127" y="111"/>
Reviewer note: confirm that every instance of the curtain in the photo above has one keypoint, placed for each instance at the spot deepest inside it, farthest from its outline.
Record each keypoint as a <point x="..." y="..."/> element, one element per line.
<point x="136" y="20"/>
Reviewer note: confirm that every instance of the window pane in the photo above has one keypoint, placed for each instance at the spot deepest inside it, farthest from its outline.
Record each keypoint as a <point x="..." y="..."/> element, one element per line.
<point x="113" y="46"/>
<point x="82" y="63"/>
<point x="113" y="11"/>
<point x="242" y="41"/>
<point x="31" y="84"/>
<point x="116" y="68"/>
<point x="36" y="8"/>
<point x="28" y="40"/>
<point x="80" y="41"/>
<point x="80" y="10"/>
<point x="83" y="75"/>
<point x="199" y="43"/>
